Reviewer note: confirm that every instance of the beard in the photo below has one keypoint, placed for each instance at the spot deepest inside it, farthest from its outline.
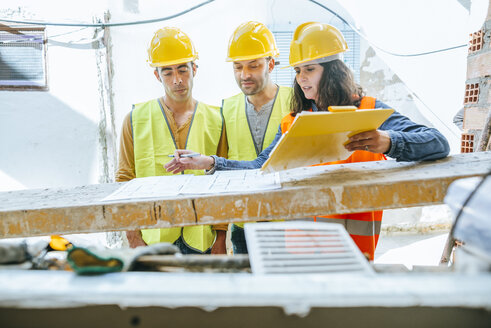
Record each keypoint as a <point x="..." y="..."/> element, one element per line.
<point x="257" y="86"/>
<point x="251" y="89"/>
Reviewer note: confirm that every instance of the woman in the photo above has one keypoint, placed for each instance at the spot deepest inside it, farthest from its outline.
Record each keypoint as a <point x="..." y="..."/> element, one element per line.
<point x="323" y="80"/>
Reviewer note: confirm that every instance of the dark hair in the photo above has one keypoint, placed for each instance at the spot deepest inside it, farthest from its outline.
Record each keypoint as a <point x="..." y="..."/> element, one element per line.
<point x="337" y="87"/>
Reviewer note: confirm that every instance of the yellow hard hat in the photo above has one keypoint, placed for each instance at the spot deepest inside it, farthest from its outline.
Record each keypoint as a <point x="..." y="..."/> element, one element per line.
<point x="314" y="41"/>
<point x="251" y="40"/>
<point x="170" y="46"/>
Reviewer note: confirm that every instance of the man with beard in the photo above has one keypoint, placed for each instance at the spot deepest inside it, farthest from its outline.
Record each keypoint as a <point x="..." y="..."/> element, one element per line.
<point x="252" y="117"/>
<point x="156" y="128"/>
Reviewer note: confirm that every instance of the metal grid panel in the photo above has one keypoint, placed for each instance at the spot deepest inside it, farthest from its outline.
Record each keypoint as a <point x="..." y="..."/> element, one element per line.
<point x="301" y="247"/>
<point x="285" y="76"/>
<point x="283" y="39"/>
<point x="352" y="56"/>
<point x="22" y="58"/>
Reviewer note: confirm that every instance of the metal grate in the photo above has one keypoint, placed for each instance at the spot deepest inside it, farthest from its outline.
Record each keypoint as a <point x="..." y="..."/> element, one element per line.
<point x="22" y="58"/>
<point x="285" y="76"/>
<point x="352" y="57"/>
<point x="301" y="247"/>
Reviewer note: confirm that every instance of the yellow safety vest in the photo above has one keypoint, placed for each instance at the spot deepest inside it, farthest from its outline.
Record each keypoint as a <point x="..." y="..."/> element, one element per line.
<point x="240" y="142"/>
<point x="153" y="142"/>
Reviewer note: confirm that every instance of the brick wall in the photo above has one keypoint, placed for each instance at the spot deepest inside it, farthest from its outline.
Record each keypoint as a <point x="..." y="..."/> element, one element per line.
<point x="477" y="94"/>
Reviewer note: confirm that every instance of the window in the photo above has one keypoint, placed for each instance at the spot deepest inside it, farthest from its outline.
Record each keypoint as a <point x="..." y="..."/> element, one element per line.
<point x="284" y="76"/>
<point x="283" y="39"/>
<point x="23" y="58"/>
<point x="352" y="56"/>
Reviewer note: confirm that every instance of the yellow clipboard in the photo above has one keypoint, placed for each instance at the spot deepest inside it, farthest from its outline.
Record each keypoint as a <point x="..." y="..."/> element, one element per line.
<point x="319" y="137"/>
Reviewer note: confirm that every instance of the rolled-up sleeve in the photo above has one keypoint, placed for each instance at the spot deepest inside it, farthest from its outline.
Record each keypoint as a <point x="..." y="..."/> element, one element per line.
<point x="411" y="141"/>
<point x="126" y="161"/>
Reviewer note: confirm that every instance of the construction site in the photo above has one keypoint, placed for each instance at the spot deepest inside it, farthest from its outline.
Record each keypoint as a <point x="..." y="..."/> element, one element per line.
<point x="263" y="163"/>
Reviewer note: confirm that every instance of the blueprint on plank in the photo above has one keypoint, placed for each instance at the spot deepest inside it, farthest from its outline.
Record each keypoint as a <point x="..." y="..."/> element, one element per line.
<point x="232" y="181"/>
<point x="150" y="187"/>
<point x="220" y="182"/>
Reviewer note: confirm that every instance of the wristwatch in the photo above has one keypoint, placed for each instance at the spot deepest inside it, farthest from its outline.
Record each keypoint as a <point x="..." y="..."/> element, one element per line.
<point x="212" y="168"/>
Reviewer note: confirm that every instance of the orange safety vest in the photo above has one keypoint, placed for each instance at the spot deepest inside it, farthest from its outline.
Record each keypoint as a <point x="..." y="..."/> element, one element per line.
<point x="364" y="228"/>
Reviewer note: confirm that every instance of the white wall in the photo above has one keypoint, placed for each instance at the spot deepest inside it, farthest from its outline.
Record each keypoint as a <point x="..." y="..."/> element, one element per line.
<point x="50" y="138"/>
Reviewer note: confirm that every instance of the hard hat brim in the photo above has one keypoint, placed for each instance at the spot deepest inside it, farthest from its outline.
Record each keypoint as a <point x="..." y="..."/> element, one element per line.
<point x="173" y="62"/>
<point x="274" y="54"/>
<point x="312" y="59"/>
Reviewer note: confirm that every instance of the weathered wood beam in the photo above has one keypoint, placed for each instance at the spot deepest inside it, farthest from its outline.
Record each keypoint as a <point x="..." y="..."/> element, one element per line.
<point x="305" y="192"/>
<point x="349" y="188"/>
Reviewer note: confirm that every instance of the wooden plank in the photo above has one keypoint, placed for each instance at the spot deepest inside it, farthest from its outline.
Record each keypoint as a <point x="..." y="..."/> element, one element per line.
<point x="348" y="188"/>
<point x="73" y="210"/>
<point x="345" y="188"/>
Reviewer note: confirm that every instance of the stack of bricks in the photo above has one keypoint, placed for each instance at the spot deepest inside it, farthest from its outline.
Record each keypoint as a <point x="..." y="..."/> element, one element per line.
<point x="477" y="98"/>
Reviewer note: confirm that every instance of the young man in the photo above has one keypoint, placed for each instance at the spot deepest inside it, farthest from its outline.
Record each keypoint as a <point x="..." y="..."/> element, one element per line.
<point x="252" y="116"/>
<point x="154" y="129"/>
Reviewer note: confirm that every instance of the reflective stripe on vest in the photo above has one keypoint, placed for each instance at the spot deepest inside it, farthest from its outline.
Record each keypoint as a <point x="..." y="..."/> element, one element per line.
<point x="240" y="142"/>
<point x="153" y="142"/>
<point x="239" y="136"/>
<point x="364" y="228"/>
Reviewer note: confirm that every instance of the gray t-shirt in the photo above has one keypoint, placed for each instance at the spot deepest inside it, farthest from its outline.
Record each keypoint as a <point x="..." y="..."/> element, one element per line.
<point x="258" y="122"/>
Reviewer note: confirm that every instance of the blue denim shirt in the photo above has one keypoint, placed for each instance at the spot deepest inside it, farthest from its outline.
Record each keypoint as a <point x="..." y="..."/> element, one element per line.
<point x="409" y="142"/>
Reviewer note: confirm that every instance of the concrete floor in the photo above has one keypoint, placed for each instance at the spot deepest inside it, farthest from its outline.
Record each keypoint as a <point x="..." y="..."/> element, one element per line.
<point x="410" y="249"/>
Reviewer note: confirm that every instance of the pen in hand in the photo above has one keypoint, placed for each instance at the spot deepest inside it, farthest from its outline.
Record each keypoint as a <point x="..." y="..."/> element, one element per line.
<point x="187" y="155"/>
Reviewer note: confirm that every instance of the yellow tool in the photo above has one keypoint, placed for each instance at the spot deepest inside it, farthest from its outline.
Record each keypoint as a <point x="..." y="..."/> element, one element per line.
<point x="342" y="108"/>
<point x="59" y="243"/>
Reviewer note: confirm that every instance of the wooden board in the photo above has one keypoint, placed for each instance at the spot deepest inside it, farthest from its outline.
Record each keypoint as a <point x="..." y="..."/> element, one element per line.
<point x="345" y="188"/>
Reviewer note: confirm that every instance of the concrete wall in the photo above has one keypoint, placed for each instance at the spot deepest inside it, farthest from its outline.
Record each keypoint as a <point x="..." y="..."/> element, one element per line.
<point x="476" y="113"/>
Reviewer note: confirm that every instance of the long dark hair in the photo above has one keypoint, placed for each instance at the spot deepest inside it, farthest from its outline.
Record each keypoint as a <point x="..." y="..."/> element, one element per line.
<point x="337" y="87"/>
